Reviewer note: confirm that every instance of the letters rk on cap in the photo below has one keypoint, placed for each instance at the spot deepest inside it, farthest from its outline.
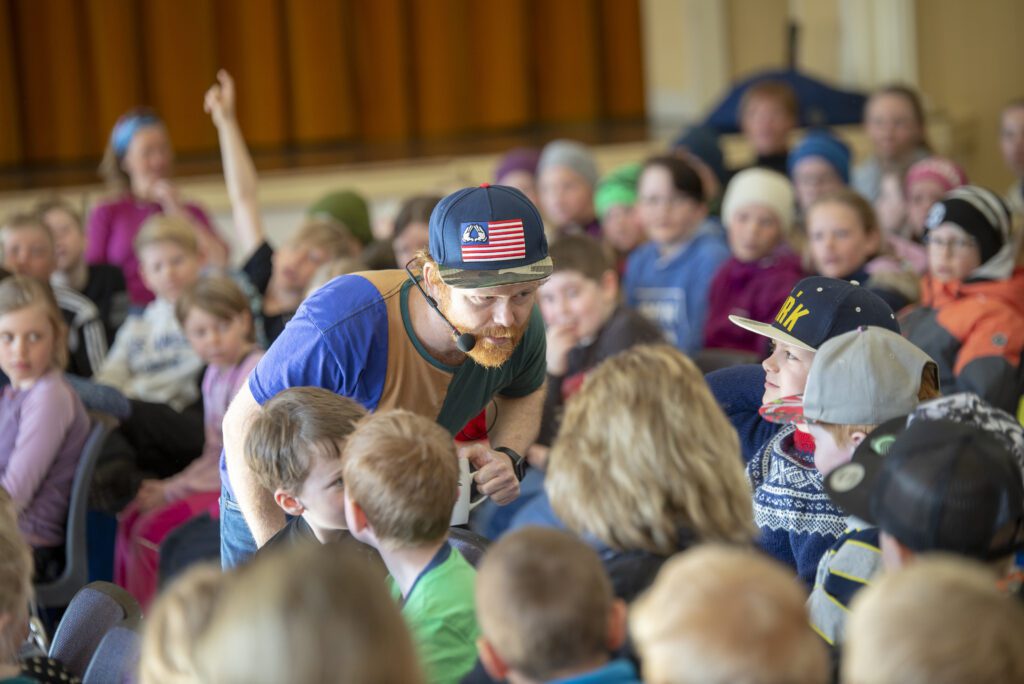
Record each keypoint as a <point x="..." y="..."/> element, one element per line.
<point x="488" y="236"/>
<point x="818" y="309"/>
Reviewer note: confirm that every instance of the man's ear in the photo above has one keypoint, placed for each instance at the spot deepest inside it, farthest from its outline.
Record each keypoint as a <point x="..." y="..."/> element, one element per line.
<point x="288" y="502"/>
<point x="496" y="668"/>
<point x="616" y="625"/>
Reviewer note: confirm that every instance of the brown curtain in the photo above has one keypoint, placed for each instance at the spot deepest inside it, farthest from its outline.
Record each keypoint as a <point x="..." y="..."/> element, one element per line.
<point x="310" y="72"/>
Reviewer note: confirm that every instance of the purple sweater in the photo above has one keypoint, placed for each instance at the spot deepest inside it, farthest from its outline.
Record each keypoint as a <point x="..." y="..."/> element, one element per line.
<point x="753" y="290"/>
<point x="42" y="432"/>
<point x="111" y="230"/>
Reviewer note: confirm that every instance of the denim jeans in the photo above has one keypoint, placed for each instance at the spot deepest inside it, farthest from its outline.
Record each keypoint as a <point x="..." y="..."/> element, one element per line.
<point x="236" y="541"/>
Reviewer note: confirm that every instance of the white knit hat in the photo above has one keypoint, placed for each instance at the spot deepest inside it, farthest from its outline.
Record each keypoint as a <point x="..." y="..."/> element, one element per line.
<point x="760" y="186"/>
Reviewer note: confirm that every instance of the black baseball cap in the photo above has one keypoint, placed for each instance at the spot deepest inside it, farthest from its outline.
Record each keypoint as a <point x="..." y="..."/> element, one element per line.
<point x="935" y="485"/>
<point x="818" y="309"/>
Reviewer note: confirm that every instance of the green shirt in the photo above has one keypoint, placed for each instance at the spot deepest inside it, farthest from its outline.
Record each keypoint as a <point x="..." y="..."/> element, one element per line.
<point x="441" y="614"/>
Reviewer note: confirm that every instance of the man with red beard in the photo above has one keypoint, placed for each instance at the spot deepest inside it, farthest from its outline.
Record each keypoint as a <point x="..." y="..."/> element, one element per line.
<point x="463" y="336"/>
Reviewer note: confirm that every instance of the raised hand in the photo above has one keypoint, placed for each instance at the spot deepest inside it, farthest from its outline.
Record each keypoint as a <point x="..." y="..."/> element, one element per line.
<point x="219" y="101"/>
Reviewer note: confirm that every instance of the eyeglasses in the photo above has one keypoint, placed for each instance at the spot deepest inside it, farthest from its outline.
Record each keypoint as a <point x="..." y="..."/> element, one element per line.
<point x="957" y="244"/>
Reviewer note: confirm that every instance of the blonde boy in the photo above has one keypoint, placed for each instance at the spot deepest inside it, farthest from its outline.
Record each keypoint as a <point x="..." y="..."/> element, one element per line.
<point x="294" y="448"/>
<point x="547" y="612"/>
<point x="941" y="621"/>
<point x="718" y="615"/>
<point x="401" y="482"/>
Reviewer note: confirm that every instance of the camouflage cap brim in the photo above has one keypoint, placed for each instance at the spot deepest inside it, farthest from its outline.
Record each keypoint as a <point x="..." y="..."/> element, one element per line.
<point x="465" y="279"/>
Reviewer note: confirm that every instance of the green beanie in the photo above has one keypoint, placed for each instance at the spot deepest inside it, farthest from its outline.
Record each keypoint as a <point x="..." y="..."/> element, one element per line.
<point x="617" y="189"/>
<point x="348" y="208"/>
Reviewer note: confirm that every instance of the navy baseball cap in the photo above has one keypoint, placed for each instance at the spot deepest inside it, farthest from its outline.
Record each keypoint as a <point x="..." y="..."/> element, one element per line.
<point x="488" y="236"/>
<point x="818" y="309"/>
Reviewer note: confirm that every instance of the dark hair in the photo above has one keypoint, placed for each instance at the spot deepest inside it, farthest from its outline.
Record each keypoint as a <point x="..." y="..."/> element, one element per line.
<point x="684" y="178"/>
<point x="779" y="91"/>
<point x="414" y="210"/>
<point x="582" y="254"/>
<point x="913" y="98"/>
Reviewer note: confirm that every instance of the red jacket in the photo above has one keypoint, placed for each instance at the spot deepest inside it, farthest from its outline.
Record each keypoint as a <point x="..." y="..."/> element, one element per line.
<point x="975" y="333"/>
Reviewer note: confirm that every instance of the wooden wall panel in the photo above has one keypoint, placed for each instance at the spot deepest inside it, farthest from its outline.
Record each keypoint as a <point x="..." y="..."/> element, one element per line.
<point x="566" y="70"/>
<point x="115" y="62"/>
<point x="500" y="64"/>
<point x="320" y="71"/>
<point x="10" y="118"/>
<point x="621" y="53"/>
<point x="442" y="47"/>
<point x="383" y="91"/>
<point x="250" y="45"/>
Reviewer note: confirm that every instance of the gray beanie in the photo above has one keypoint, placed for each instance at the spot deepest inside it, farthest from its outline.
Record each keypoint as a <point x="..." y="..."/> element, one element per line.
<point x="570" y="154"/>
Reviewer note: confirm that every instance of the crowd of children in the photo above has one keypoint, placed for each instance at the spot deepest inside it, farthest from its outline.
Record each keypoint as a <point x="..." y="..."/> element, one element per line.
<point x="773" y="393"/>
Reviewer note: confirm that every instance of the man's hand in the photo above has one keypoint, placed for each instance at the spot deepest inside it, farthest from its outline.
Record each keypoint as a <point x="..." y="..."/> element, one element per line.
<point x="494" y="474"/>
<point x="560" y="339"/>
<point x="219" y="101"/>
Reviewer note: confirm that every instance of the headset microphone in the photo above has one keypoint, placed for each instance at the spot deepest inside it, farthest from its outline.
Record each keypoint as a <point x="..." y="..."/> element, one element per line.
<point x="464" y="341"/>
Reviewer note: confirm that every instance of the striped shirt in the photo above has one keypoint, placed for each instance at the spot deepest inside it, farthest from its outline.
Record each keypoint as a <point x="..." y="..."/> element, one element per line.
<point x="847" y="567"/>
<point x="87" y="338"/>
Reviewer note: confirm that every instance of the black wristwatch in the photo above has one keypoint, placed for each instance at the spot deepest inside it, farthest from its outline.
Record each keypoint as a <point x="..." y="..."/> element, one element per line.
<point x="518" y="462"/>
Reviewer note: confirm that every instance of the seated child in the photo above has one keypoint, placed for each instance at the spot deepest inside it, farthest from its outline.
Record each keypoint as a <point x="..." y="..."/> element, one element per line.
<point x="857" y="380"/>
<point x="941" y="621"/>
<point x="668" y="278"/>
<point x="1011" y="144"/>
<point x="152" y="362"/>
<point x="615" y="202"/>
<point x="294" y="448"/>
<point x="566" y="180"/>
<point x="819" y="165"/>
<point x="28" y="249"/>
<point x="855" y="559"/>
<point x="314" y="614"/>
<point x="280" y="276"/>
<point x="758" y="213"/>
<point x="217" y="322"/>
<point x="401" y="479"/>
<point x="547" y="612"/>
<point x="177" y="624"/>
<point x="927" y="182"/>
<point x="43" y="425"/>
<point x="517" y="168"/>
<point x="891" y="210"/>
<point x="768" y="113"/>
<point x="844" y="242"/>
<point x="103" y="284"/>
<point x="971" y="317"/>
<point x="718" y="615"/>
<point x="699" y="147"/>
<point x="412" y="227"/>
<point x="15" y="594"/>
<point x="895" y="125"/>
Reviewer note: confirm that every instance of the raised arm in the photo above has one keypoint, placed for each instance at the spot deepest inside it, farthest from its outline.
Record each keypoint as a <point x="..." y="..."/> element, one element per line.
<point x="239" y="170"/>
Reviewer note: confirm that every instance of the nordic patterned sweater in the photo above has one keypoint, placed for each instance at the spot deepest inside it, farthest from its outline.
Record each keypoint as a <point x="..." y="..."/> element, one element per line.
<point x="797" y="521"/>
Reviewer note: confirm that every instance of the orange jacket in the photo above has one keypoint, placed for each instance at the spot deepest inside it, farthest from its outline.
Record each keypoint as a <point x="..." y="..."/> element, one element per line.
<point x="975" y="333"/>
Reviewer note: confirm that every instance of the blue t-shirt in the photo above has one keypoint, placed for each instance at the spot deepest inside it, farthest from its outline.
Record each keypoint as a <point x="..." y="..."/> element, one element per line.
<point x="672" y="289"/>
<point x="354" y="337"/>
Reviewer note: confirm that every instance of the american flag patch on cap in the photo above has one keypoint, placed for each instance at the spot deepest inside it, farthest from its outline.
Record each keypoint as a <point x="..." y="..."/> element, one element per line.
<point x="493" y="240"/>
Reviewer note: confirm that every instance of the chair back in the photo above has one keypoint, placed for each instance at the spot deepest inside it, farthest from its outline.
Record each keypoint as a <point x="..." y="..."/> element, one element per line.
<point x="76" y="566"/>
<point x="470" y="544"/>
<point x="116" y="658"/>
<point x="91" y="614"/>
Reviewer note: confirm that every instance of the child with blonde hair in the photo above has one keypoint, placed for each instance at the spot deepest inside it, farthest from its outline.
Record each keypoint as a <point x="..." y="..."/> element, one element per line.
<point x="315" y="615"/>
<point x="15" y="592"/>
<point x="177" y="624"/>
<point x="645" y="465"/>
<point x="718" y="615"/>
<point x="218" y="324"/>
<point x="43" y="425"/>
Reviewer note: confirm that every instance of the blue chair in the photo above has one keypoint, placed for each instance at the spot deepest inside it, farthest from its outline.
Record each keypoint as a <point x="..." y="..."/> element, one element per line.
<point x="91" y="614"/>
<point x="116" y="658"/>
<point x="470" y="544"/>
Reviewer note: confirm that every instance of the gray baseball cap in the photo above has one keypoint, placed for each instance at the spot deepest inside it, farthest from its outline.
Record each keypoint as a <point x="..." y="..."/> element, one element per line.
<point x="866" y="376"/>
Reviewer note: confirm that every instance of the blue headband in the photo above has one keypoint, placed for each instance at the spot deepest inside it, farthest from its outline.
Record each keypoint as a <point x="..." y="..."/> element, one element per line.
<point x="126" y="127"/>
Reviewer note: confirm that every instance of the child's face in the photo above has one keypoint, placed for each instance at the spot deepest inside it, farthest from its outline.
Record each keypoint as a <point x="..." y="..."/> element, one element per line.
<point x="920" y="198"/>
<point x="668" y="216"/>
<point x="571" y="300"/>
<point x="565" y="196"/>
<point x="891" y="126"/>
<point x="68" y="238"/>
<point x="827" y="454"/>
<point x="217" y="341"/>
<point x="524" y="181"/>
<point x="754" y="232"/>
<point x="26" y="344"/>
<point x="323" y="494"/>
<point x="766" y="124"/>
<point x="167" y="269"/>
<point x="295" y="263"/>
<point x="1011" y="140"/>
<point x="621" y="228"/>
<point x="813" y="178"/>
<point x="891" y="205"/>
<point x="149" y="156"/>
<point x="415" y="237"/>
<point x="786" y="370"/>
<point x="838" y="242"/>
<point x="952" y="253"/>
<point x="28" y="252"/>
